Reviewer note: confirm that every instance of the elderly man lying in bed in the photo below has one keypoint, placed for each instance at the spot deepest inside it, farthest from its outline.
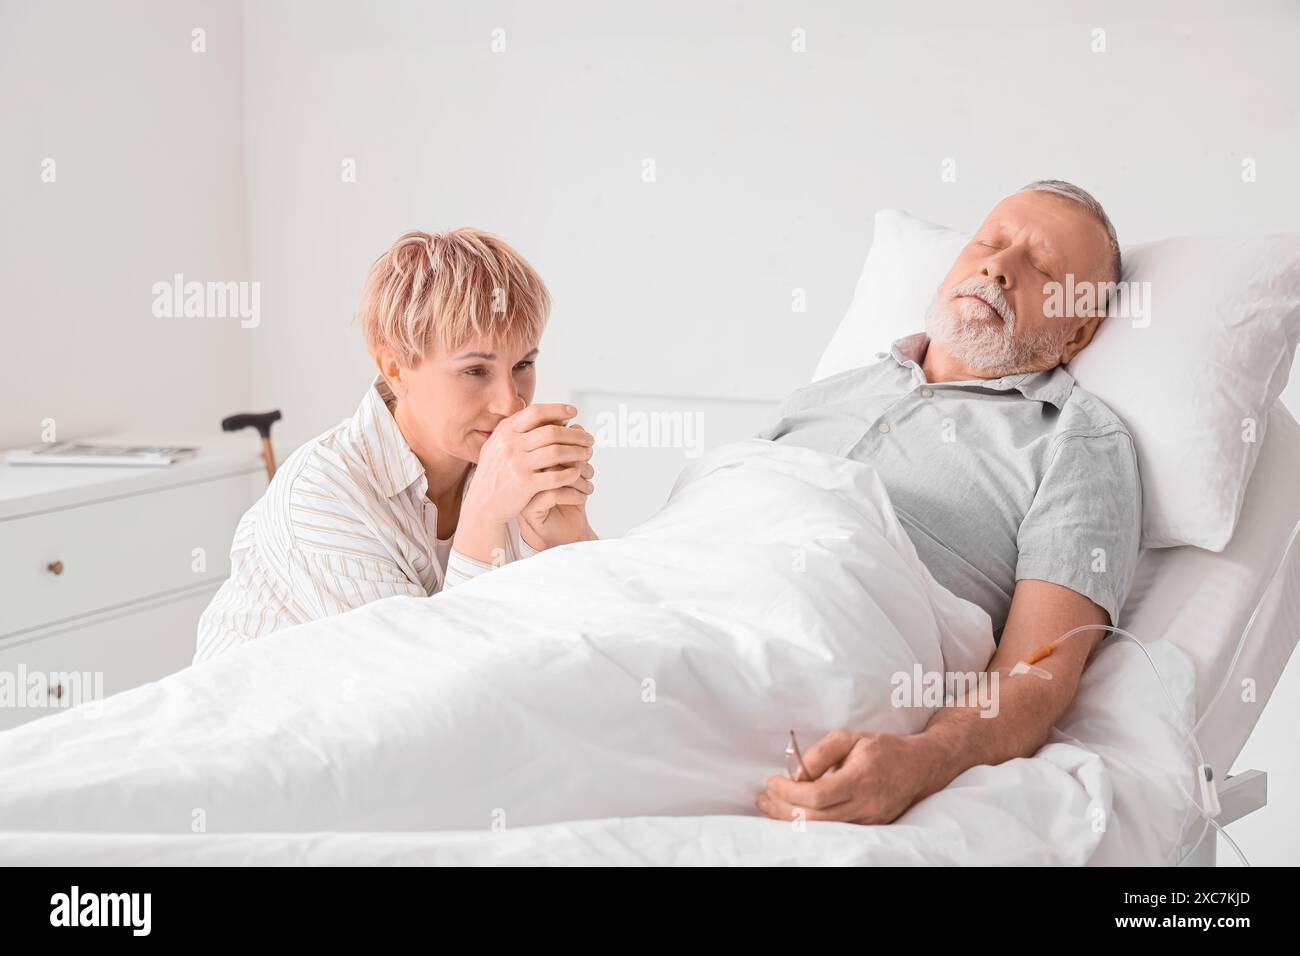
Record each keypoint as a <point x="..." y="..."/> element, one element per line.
<point x="1019" y="489"/>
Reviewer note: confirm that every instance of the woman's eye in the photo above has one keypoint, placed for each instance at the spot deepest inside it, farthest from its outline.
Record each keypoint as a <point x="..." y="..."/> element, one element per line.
<point x="525" y="364"/>
<point x="477" y="370"/>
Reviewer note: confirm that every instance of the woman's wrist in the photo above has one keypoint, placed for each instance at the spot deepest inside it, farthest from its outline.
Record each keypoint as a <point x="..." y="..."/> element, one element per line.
<point x="480" y="537"/>
<point x="530" y="536"/>
<point x="569" y="535"/>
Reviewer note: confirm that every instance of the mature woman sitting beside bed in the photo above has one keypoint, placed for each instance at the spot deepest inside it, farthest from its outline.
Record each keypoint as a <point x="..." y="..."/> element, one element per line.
<point x="445" y="471"/>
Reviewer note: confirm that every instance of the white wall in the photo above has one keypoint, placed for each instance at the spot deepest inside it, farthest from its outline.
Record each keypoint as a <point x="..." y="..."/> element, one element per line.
<point x="769" y="163"/>
<point x="148" y="145"/>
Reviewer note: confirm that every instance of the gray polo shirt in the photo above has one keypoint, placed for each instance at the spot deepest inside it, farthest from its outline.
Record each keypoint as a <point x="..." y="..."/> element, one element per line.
<point x="995" y="480"/>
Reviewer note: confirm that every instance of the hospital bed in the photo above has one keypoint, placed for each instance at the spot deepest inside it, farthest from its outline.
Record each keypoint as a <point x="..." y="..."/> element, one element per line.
<point x="1198" y="601"/>
<point x="1203" y="602"/>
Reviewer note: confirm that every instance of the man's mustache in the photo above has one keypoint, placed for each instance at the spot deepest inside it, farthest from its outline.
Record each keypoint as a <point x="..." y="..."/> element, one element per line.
<point x="991" y="293"/>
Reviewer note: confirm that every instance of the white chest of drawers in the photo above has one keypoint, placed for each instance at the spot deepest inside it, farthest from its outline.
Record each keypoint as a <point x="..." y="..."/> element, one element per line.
<point x="104" y="571"/>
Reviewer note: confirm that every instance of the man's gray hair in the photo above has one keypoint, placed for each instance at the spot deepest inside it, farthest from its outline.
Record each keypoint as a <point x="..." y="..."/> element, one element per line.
<point x="1084" y="198"/>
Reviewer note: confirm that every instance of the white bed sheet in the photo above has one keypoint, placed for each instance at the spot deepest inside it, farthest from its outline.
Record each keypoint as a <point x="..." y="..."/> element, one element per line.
<point x="1198" y="602"/>
<point x="285" y="757"/>
<point x="1202" y="601"/>
<point x="1111" y="765"/>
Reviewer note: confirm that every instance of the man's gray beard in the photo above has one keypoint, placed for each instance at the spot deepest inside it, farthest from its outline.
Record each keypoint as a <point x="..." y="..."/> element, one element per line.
<point x="989" y="347"/>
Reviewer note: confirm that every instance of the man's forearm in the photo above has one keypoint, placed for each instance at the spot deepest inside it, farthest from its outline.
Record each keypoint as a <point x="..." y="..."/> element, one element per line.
<point x="958" y="738"/>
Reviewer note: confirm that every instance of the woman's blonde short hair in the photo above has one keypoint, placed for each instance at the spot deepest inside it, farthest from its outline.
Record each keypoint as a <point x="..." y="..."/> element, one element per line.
<point x="440" y="291"/>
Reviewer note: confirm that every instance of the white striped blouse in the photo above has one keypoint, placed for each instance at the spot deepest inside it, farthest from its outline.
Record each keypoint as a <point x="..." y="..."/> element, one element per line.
<point x="345" y="521"/>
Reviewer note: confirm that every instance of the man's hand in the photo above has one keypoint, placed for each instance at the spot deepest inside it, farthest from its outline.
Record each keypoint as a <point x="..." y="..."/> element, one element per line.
<point x="859" y="778"/>
<point x="530" y="456"/>
<point x="559" y="516"/>
<point x="881" y="775"/>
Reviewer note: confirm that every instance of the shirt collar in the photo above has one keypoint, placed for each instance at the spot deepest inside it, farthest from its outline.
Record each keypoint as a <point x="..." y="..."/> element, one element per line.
<point x="390" y="459"/>
<point x="1052" y="385"/>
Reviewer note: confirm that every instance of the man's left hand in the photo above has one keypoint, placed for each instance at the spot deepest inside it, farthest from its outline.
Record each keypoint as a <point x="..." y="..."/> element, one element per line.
<point x="858" y="778"/>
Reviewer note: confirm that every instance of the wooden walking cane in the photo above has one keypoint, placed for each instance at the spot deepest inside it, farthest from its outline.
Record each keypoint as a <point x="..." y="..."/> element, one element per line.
<point x="262" y="421"/>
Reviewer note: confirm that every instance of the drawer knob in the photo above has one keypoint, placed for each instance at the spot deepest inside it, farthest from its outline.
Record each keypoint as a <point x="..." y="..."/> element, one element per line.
<point x="55" y="567"/>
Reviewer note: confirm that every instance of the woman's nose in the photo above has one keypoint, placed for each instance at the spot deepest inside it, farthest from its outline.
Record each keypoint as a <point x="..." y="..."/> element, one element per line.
<point x="506" y="401"/>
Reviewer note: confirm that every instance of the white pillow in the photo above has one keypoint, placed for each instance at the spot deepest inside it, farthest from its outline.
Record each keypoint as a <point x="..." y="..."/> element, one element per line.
<point x="1193" y="378"/>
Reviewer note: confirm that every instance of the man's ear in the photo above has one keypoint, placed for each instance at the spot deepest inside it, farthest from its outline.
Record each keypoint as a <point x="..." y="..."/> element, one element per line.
<point x="1082" y="336"/>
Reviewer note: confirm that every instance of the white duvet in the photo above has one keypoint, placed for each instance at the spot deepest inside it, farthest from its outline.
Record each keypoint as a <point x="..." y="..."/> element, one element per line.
<point x="612" y="701"/>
